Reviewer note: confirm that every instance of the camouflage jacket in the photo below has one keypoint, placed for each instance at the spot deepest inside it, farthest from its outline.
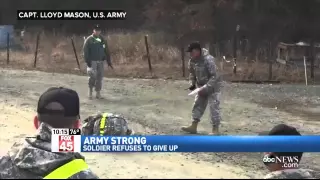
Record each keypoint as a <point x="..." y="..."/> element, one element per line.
<point x="115" y="125"/>
<point x="203" y="72"/>
<point x="34" y="159"/>
<point x="291" y="174"/>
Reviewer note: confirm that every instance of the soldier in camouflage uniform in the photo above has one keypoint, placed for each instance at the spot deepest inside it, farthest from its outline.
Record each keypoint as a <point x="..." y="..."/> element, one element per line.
<point x="107" y="124"/>
<point x="278" y="170"/>
<point x="203" y="75"/>
<point x="95" y="51"/>
<point x="57" y="108"/>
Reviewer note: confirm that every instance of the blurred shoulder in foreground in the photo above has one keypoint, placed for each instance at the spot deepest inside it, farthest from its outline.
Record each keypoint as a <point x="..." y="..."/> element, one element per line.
<point x="291" y="174"/>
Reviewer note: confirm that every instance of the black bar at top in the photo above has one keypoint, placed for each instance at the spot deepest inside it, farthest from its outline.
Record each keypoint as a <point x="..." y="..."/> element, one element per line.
<point x="71" y="15"/>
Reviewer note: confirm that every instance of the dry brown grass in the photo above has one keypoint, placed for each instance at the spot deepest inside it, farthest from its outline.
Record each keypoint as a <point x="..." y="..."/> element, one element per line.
<point x="128" y="54"/>
<point x="259" y="71"/>
<point x="129" y="57"/>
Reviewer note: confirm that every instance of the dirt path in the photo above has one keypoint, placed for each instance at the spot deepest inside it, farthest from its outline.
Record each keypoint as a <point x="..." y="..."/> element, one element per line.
<point x="161" y="107"/>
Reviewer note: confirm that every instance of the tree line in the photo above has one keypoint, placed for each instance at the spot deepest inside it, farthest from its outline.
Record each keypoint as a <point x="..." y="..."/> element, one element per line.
<point x="212" y="20"/>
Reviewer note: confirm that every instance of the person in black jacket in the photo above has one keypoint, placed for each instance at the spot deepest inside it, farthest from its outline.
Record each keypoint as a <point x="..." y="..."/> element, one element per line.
<point x="96" y="51"/>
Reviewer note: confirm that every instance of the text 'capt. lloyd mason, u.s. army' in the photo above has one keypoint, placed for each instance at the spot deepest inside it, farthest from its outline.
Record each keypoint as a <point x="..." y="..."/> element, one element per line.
<point x="83" y="14"/>
<point x="72" y="14"/>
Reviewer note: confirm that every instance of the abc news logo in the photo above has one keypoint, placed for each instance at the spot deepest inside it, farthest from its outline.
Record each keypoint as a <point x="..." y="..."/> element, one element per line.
<point x="287" y="161"/>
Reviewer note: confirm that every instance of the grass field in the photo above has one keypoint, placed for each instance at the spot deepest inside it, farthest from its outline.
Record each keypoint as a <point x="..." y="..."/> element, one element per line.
<point x="129" y="56"/>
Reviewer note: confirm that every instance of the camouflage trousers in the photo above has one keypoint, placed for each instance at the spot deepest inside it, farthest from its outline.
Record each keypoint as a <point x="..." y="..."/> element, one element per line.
<point x="96" y="76"/>
<point x="200" y="105"/>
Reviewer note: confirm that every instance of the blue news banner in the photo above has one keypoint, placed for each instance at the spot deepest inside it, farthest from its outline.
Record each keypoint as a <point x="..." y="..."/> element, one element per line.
<point x="200" y="144"/>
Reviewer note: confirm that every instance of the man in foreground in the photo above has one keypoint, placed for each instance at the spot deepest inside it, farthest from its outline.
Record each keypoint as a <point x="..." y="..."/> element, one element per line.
<point x="203" y="75"/>
<point x="57" y="108"/>
<point x="281" y="170"/>
<point x="106" y="124"/>
<point x="95" y="51"/>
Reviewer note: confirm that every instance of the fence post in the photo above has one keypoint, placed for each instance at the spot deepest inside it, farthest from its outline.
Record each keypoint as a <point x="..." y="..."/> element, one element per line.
<point x="235" y="48"/>
<point x="270" y="61"/>
<point x="148" y="54"/>
<point x="183" y="62"/>
<point x="305" y="70"/>
<point x="75" y="53"/>
<point x="8" y="48"/>
<point x="36" y="51"/>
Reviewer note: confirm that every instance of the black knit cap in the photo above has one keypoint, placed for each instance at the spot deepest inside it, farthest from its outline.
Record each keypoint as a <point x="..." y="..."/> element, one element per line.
<point x="67" y="98"/>
<point x="97" y="27"/>
<point x="194" y="45"/>
<point x="282" y="130"/>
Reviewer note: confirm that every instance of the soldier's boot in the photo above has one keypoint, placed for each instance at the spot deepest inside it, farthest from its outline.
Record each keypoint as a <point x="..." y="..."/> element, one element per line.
<point x="192" y="129"/>
<point x="130" y="132"/>
<point x="215" y="130"/>
<point x="90" y="93"/>
<point x="98" y="95"/>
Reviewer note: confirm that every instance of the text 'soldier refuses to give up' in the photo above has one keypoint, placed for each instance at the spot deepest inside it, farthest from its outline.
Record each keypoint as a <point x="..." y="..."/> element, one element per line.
<point x="71" y="15"/>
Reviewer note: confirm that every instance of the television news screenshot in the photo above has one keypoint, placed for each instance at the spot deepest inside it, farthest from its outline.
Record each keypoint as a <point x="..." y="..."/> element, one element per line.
<point x="159" y="89"/>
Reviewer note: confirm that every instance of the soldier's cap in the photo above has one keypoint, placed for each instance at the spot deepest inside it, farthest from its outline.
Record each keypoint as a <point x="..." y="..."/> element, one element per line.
<point x="281" y="130"/>
<point x="59" y="101"/>
<point x="194" y="45"/>
<point x="97" y="27"/>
